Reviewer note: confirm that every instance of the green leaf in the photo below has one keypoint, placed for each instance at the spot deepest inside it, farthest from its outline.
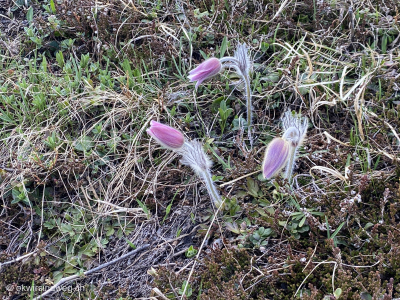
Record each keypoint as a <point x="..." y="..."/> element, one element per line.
<point x="365" y="296"/>
<point x="84" y="144"/>
<point x="52" y="6"/>
<point x="130" y="244"/>
<point x="305" y="228"/>
<point x="315" y="213"/>
<point x="32" y="289"/>
<point x="15" y="195"/>
<point x="368" y="225"/>
<point x="7" y="117"/>
<point x="216" y="104"/>
<point x="110" y="231"/>
<point x="302" y="221"/>
<point x="224" y="46"/>
<point x="262" y="212"/>
<point x="29" y="14"/>
<point x="60" y="59"/>
<point x="337" y="230"/>
<point x="144" y="207"/>
<point x="337" y="293"/>
<point x="252" y="187"/>
<point x="384" y="43"/>
<point x="328" y="230"/>
<point x="57" y="276"/>
<point x="167" y="210"/>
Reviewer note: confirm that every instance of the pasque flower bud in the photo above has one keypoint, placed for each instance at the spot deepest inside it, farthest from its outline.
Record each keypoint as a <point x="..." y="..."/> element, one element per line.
<point x="276" y="157"/>
<point x="282" y="152"/>
<point x="205" y="70"/>
<point x="166" y="136"/>
<point x="193" y="154"/>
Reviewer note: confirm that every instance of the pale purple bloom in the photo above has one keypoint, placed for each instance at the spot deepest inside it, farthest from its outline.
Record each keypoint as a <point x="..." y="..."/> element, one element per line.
<point x="276" y="156"/>
<point x="166" y="136"/>
<point x="205" y="70"/>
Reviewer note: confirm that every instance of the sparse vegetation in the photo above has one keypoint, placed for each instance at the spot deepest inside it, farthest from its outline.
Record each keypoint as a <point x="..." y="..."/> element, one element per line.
<point x="82" y="184"/>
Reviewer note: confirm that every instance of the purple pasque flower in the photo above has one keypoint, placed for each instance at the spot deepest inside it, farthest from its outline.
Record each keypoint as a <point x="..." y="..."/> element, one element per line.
<point x="276" y="156"/>
<point x="205" y="70"/>
<point x="166" y="136"/>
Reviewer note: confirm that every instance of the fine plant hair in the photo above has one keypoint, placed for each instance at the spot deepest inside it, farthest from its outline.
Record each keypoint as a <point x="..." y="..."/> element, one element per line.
<point x="193" y="155"/>
<point x="295" y="129"/>
<point x="241" y="62"/>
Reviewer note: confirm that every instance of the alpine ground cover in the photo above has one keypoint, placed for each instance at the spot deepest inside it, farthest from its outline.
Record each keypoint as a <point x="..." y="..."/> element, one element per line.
<point x="82" y="183"/>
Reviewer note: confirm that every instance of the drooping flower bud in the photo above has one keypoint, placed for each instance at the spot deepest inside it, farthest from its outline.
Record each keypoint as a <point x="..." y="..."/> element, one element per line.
<point x="166" y="136"/>
<point x="205" y="70"/>
<point x="276" y="156"/>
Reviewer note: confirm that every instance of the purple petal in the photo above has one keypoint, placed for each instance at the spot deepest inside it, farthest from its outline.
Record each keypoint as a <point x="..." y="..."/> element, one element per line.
<point x="205" y="70"/>
<point x="166" y="136"/>
<point x="276" y="156"/>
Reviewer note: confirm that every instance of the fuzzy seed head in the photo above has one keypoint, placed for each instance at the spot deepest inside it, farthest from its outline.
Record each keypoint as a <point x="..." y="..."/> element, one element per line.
<point x="295" y="127"/>
<point x="244" y="61"/>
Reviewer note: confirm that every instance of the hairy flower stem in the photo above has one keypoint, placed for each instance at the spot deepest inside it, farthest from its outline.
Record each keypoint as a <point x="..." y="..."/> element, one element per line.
<point x="290" y="163"/>
<point x="233" y="62"/>
<point x="249" y="107"/>
<point x="193" y="155"/>
<point x="206" y="175"/>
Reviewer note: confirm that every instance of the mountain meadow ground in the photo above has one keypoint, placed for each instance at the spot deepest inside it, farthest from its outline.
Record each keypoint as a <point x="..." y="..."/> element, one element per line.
<point x="271" y="171"/>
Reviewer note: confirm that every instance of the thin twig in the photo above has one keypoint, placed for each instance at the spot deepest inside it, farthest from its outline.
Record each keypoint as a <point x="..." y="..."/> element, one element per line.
<point x="17" y="259"/>
<point x="239" y="178"/>
<point x="7" y="169"/>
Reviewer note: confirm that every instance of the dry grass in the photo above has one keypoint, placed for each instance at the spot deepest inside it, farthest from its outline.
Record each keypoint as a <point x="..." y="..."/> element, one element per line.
<point x="81" y="183"/>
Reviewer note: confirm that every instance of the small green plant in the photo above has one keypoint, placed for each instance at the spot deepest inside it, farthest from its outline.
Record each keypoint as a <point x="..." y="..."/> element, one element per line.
<point x="191" y="252"/>
<point x="294" y="227"/>
<point x="188" y="118"/>
<point x="224" y="113"/>
<point x="186" y="289"/>
<point x="52" y="141"/>
<point x="231" y="206"/>
<point x="298" y="222"/>
<point x="20" y="193"/>
<point x="144" y="207"/>
<point x="333" y="236"/>
<point x="260" y="236"/>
